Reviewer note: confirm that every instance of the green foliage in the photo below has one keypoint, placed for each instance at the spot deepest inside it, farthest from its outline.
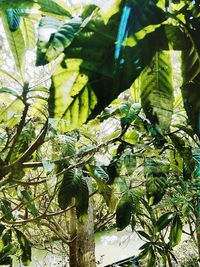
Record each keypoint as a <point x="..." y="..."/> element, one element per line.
<point x="13" y="17"/>
<point x="28" y="30"/>
<point x="77" y="101"/>
<point x="7" y="248"/>
<point x="25" y="247"/>
<point x="68" y="146"/>
<point x="5" y="90"/>
<point x="60" y="39"/>
<point x="126" y="208"/>
<point x="102" y="179"/>
<point x="47" y="6"/>
<point x="164" y="220"/>
<point x="124" y="211"/>
<point x="74" y="186"/>
<point x="26" y="137"/>
<point x="5" y="206"/>
<point x="16" y="42"/>
<point x="26" y="197"/>
<point x="157" y="91"/>
<point x="175" y="231"/>
<point x="96" y="57"/>
<point x="185" y="152"/>
<point x="156" y="179"/>
<point x="191" y="77"/>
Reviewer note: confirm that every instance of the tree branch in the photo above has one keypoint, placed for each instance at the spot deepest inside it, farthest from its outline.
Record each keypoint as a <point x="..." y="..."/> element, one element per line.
<point x="27" y="154"/>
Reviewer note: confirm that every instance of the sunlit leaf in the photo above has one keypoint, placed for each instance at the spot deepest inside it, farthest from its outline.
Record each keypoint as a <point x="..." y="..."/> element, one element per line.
<point x="57" y="7"/>
<point x="157" y="91"/>
<point x="175" y="231"/>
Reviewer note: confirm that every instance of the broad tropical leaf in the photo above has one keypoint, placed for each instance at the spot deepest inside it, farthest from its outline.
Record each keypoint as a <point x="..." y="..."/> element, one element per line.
<point x="175" y="231"/>
<point x="129" y="160"/>
<point x="16" y="43"/>
<point x="185" y="152"/>
<point x="102" y="179"/>
<point x="164" y="220"/>
<point x="6" y="209"/>
<point x="61" y="37"/>
<point x="93" y="51"/>
<point x="13" y="18"/>
<point x="68" y="188"/>
<point x="28" y="30"/>
<point x="191" y="77"/>
<point x="185" y="38"/>
<point x="57" y="7"/>
<point x="156" y="177"/>
<point x="98" y="172"/>
<point x="74" y="186"/>
<point x="124" y="211"/>
<point x="157" y="91"/>
<point x="70" y="97"/>
<point x="82" y="200"/>
<point x="5" y="90"/>
<point x="25" y="247"/>
<point x="8" y="250"/>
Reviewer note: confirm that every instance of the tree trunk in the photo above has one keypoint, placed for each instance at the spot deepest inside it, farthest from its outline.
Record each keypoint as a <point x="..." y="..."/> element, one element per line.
<point x="85" y="240"/>
<point x="73" y="237"/>
<point x="82" y="246"/>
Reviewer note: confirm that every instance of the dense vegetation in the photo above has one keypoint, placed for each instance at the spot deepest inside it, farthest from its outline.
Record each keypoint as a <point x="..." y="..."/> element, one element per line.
<point x="55" y="156"/>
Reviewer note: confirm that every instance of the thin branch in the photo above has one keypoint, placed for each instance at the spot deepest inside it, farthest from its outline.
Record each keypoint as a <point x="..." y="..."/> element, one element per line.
<point x="27" y="154"/>
<point x="42" y="216"/>
<point x="28" y="183"/>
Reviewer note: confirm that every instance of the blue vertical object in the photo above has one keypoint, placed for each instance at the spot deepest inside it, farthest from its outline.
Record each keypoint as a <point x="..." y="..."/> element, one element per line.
<point x="122" y="32"/>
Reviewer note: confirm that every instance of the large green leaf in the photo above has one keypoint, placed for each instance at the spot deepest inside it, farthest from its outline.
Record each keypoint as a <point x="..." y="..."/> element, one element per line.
<point x="74" y="186"/>
<point x="156" y="179"/>
<point x="57" y="7"/>
<point x="13" y="18"/>
<point x="129" y="161"/>
<point x="98" y="173"/>
<point x="5" y="90"/>
<point x="124" y="211"/>
<point x="70" y="98"/>
<point x="82" y="200"/>
<point x="164" y="220"/>
<point x="185" y="151"/>
<point x="157" y="91"/>
<point x="58" y="40"/>
<point x="28" y="30"/>
<point x="6" y="209"/>
<point x="102" y="63"/>
<point x="185" y="37"/>
<point x="101" y="178"/>
<point x="175" y="231"/>
<point x="68" y="188"/>
<point x="191" y="76"/>
<point x="8" y="250"/>
<point x="16" y="43"/>
<point x="26" y="137"/>
<point x="25" y="247"/>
